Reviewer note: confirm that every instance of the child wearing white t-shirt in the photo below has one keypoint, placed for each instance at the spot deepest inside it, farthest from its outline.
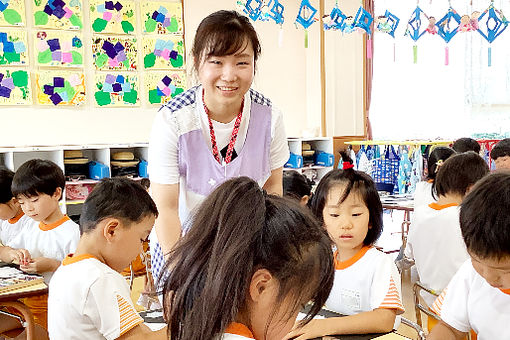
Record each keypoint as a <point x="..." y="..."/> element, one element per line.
<point x="367" y="284"/>
<point x="478" y="296"/>
<point x="116" y="219"/>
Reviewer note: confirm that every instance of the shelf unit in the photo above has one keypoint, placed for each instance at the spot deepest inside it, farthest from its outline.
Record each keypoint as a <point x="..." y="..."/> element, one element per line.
<point x="13" y="157"/>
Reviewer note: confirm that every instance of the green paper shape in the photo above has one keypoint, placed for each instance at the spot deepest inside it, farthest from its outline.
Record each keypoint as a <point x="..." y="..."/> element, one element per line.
<point x="44" y="57"/>
<point x="70" y="90"/>
<point x="101" y="60"/>
<point x="77" y="58"/>
<point x="99" y="25"/>
<point x="102" y="98"/>
<point x="3" y="61"/>
<point x="41" y="18"/>
<point x="154" y="98"/>
<point x="131" y="97"/>
<point x="150" y="25"/>
<point x="177" y="62"/>
<point x="12" y="17"/>
<point x="174" y="26"/>
<point x="126" y="64"/>
<point x="20" y="78"/>
<point x="149" y="60"/>
<point x="178" y="90"/>
<point x="12" y="57"/>
<point x="75" y="21"/>
<point x="127" y="27"/>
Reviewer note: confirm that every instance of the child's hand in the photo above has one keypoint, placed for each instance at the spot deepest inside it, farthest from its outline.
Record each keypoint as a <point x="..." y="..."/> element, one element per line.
<point x="314" y="329"/>
<point x="19" y="256"/>
<point x="40" y="265"/>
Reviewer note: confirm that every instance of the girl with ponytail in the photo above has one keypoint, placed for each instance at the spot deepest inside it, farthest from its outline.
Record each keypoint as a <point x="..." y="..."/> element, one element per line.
<point x="367" y="283"/>
<point x="247" y="266"/>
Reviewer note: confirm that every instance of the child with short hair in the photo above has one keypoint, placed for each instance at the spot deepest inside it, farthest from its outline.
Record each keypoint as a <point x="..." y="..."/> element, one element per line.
<point x="367" y="283"/>
<point x="434" y="239"/>
<point x="466" y="144"/>
<point x="478" y="296"/>
<point x="244" y="271"/>
<point x="89" y="299"/>
<point x="297" y="186"/>
<point x="500" y="153"/>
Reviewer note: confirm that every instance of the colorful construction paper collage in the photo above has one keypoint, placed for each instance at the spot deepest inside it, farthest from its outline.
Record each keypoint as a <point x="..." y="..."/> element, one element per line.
<point x="119" y="89"/>
<point x="13" y="47"/>
<point x="12" y="13"/>
<point x="58" y="14"/>
<point x="58" y="48"/>
<point x="62" y="88"/>
<point x="14" y="87"/>
<point x="162" y="17"/>
<point x="114" y="53"/>
<point x="163" y="52"/>
<point x="113" y="16"/>
<point x="161" y="87"/>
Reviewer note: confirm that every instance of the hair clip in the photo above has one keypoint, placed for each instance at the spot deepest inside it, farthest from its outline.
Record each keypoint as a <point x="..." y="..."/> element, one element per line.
<point x="347" y="165"/>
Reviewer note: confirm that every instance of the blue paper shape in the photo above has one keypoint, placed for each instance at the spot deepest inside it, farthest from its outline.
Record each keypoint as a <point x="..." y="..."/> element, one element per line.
<point x="3" y="37"/>
<point x="3" y="6"/>
<point x="393" y="21"/>
<point x="58" y="82"/>
<point x="101" y="8"/>
<point x="160" y="93"/>
<point x="64" y="96"/>
<point x="337" y="18"/>
<point x="120" y="79"/>
<point x="414" y="24"/>
<point x="303" y="19"/>
<point x="276" y="11"/>
<point x="160" y="17"/>
<point x="169" y="44"/>
<point x="54" y="44"/>
<point x="163" y="10"/>
<point x="363" y="20"/>
<point x="160" y="45"/>
<point x="495" y="24"/>
<point x="8" y="46"/>
<point x="20" y="47"/>
<point x="443" y="26"/>
<point x="254" y="9"/>
<point x="5" y="92"/>
<point x="126" y="87"/>
<point x="107" y="87"/>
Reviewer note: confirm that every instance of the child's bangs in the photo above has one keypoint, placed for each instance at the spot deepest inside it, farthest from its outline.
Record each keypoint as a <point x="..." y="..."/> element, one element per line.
<point x="223" y="43"/>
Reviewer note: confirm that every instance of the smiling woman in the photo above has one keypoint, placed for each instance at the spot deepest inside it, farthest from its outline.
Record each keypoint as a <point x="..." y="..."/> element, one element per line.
<point x="215" y="131"/>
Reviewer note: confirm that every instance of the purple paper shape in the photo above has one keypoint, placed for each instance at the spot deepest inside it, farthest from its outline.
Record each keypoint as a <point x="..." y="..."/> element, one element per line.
<point x="48" y="89"/>
<point x="157" y="53"/>
<point x="118" y="6"/>
<point x="117" y="87"/>
<point x="109" y="5"/>
<point x="48" y="10"/>
<point x="174" y="54"/>
<point x="1" y="77"/>
<point x="121" y="56"/>
<point x="8" y="82"/>
<point x="55" y="98"/>
<point x="54" y="44"/>
<point x="58" y="82"/>
<point x="166" y="80"/>
<point x="155" y="15"/>
<point x="56" y="55"/>
<point x="118" y="47"/>
<point x="5" y="92"/>
<point x="59" y="12"/>
<point x="109" y="49"/>
<point x="58" y="3"/>
<point x="166" y="22"/>
<point x="110" y="79"/>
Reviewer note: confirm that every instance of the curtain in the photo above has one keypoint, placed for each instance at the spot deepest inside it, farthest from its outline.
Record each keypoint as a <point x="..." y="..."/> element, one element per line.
<point x="369" y="69"/>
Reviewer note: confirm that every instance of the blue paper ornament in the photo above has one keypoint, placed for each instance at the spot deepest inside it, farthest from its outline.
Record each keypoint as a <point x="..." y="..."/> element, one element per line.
<point x="496" y="23"/>
<point x="306" y="14"/>
<point x="363" y="20"/>
<point x="337" y="19"/>
<point x="414" y="24"/>
<point x="276" y="11"/>
<point x="254" y="11"/>
<point x="444" y="28"/>
<point x="391" y="23"/>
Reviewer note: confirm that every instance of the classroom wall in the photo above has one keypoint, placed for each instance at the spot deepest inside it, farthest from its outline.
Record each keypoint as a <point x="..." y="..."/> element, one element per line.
<point x="288" y="73"/>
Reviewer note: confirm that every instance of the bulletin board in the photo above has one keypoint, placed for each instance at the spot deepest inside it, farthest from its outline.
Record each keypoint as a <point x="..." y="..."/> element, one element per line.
<point x="91" y="54"/>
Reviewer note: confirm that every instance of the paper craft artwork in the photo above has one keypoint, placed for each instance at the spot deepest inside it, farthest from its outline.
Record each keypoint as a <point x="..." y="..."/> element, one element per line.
<point x="274" y="11"/>
<point x="363" y="20"/>
<point x="62" y="88"/>
<point x="414" y="29"/>
<point x="444" y="26"/>
<point x="13" y="47"/>
<point x="161" y="87"/>
<point x="116" y="89"/>
<point x="12" y="13"/>
<point x="253" y="8"/>
<point x="112" y="16"/>
<point x="12" y="279"/>
<point x="58" y="48"/>
<point x="336" y="19"/>
<point x="306" y="14"/>
<point x="14" y="87"/>
<point x="163" y="53"/>
<point x="58" y="14"/>
<point x="113" y="53"/>
<point x="162" y="17"/>
<point x="495" y="23"/>
<point x="387" y="23"/>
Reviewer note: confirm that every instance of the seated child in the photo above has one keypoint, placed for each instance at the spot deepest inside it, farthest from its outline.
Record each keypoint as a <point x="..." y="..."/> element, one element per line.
<point x="297" y="186"/>
<point x="466" y="144"/>
<point x="367" y="282"/>
<point x="434" y="239"/>
<point x="478" y="296"/>
<point x="244" y="271"/>
<point x="89" y="299"/>
<point x="500" y="153"/>
<point x="423" y="192"/>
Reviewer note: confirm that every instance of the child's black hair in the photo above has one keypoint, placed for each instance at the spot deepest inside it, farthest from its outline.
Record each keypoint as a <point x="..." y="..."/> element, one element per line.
<point x="236" y="231"/>
<point x="296" y="185"/>
<point x="484" y="217"/>
<point x="36" y="177"/>
<point x="501" y="149"/>
<point x="466" y="144"/>
<point x="6" y="176"/>
<point x="437" y="156"/>
<point x="145" y="183"/>
<point x="459" y="173"/>
<point x="116" y="197"/>
<point x="357" y="182"/>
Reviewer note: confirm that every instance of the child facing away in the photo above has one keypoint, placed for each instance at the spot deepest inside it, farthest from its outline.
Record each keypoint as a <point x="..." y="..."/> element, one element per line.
<point x="434" y="240"/>
<point x="423" y="194"/>
<point x="89" y="299"/>
<point x="500" y="153"/>
<point x="466" y="144"/>
<point x="297" y="186"/>
<point x="478" y="296"/>
<point x="244" y="271"/>
<point x="367" y="282"/>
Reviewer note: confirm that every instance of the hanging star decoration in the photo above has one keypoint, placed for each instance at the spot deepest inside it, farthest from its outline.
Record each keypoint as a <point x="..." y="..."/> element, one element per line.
<point x="336" y="19"/>
<point x="363" y="20"/>
<point x="495" y="23"/>
<point x="444" y="26"/>
<point x="414" y="29"/>
<point x="306" y="14"/>
<point x="253" y="9"/>
<point x="387" y="23"/>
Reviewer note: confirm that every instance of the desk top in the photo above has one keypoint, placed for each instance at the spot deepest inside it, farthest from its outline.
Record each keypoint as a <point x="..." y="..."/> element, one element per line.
<point x="37" y="289"/>
<point x="397" y="202"/>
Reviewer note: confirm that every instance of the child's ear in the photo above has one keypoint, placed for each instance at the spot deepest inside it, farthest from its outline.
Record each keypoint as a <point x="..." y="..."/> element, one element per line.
<point x="57" y="194"/>
<point x="304" y="200"/>
<point x="110" y="229"/>
<point x="261" y="282"/>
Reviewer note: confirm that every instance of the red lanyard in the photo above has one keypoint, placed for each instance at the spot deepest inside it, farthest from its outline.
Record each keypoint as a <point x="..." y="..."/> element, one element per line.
<point x="235" y="131"/>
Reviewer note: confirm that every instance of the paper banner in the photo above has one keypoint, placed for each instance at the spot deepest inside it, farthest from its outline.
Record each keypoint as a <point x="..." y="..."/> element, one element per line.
<point x="116" y="89"/>
<point x="114" y="54"/>
<point x="58" y="14"/>
<point x="117" y="17"/>
<point x="161" y="87"/>
<point x="162" y="17"/>
<point x="13" y="47"/>
<point x="163" y="52"/>
<point x="12" y="13"/>
<point x="14" y="87"/>
<point x="58" y="48"/>
<point x="60" y="88"/>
